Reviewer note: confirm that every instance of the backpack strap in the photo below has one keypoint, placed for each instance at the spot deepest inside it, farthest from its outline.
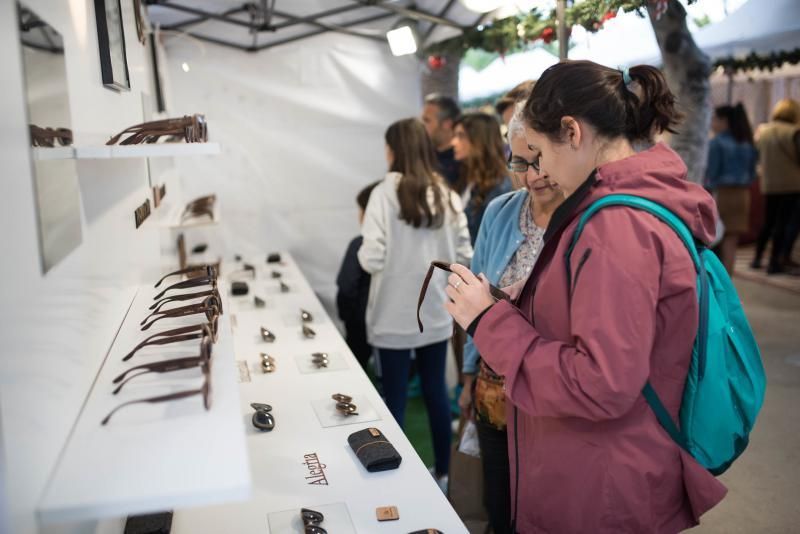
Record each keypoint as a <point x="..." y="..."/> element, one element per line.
<point x="694" y="248"/>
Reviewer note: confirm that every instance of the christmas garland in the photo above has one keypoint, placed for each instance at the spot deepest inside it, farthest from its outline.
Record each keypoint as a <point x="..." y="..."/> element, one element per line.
<point x="514" y="33"/>
<point x="754" y="61"/>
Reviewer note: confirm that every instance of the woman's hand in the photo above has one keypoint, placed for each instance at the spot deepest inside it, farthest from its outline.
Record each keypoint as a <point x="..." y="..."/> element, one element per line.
<point x="465" y="399"/>
<point x="469" y="295"/>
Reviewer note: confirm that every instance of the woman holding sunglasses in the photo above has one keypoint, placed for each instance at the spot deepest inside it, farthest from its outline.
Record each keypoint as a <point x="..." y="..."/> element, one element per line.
<point x="412" y="217"/>
<point x="509" y="241"/>
<point x="588" y="453"/>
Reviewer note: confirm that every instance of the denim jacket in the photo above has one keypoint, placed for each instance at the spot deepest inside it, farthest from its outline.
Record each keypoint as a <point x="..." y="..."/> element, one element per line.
<point x="730" y="163"/>
<point x="498" y="239"/>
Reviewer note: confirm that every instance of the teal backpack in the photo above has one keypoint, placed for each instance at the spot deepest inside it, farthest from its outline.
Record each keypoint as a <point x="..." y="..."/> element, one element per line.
<point x="725" y="385"/>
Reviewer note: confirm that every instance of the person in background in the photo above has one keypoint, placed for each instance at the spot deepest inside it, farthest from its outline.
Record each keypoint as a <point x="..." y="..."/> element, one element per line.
<point x="506" y="104"/>
<point x="509" y="242"/>
<point x="412" y="217"/>
<point x="478" y="146"/>
<point x="778" y="144"/>
<point x="730" y="171"/>
<point x="588" y="454"/>
<point x="439" y="115"/>
<point x="353" y="289"/>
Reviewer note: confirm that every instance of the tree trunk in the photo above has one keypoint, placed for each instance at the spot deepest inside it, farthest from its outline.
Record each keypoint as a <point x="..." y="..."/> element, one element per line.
<point x="687" y="70"/>
<point x="443" y="80"/>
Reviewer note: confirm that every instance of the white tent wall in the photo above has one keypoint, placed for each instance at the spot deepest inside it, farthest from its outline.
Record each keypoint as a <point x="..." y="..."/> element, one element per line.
<point x="301" y="128"/>
<point x="57" y="327"/>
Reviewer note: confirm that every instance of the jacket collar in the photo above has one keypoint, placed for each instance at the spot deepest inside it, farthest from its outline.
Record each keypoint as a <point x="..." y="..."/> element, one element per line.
<point x="564" y="213"/>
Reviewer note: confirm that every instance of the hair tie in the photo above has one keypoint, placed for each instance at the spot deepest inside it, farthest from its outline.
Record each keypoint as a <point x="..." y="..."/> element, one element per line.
<point x="626" y="75"/>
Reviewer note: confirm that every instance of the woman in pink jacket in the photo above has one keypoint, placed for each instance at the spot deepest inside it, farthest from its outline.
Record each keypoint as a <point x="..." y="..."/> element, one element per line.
<point x="586" y="451"/>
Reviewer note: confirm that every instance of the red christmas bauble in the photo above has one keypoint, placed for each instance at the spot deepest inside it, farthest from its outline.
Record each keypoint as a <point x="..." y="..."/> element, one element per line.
<point x="548" y="34"/>
<point x="436" y="62"/>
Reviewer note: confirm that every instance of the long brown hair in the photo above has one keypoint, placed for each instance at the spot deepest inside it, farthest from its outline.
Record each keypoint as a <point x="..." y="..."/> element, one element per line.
<point x="600" y="95"/>
<point x="485" y="166"/>
<point x="414" y="159"/>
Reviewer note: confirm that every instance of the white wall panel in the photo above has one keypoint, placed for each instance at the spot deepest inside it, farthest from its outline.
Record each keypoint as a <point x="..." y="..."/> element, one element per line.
<point x="301" y="128"/>
<point x="56" y="328"/>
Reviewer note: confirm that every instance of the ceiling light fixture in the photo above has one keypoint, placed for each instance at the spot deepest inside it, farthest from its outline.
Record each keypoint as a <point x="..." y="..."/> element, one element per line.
<point x="402" y="38"/>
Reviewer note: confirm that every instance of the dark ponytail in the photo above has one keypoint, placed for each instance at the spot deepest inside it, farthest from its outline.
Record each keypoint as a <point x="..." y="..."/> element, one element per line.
<point x="600" y="95"/>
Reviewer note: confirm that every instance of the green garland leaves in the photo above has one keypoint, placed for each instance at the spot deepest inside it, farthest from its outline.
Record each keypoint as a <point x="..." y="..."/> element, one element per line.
<point x="513" y="33"/>
<point x="754" y="61"/>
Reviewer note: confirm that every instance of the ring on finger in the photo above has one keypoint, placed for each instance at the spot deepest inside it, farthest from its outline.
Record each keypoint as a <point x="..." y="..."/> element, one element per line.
<point x="458" y="283"/>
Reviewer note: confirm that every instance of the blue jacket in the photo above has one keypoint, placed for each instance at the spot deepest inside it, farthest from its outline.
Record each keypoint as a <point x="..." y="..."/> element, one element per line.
<point x="498" y="239"/>
<point x="730" y="163"/>
<point x="475" y="215"/>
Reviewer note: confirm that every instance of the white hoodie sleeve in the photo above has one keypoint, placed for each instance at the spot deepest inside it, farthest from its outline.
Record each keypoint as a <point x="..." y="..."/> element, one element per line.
<point x="372" y="254"/>
<point x="462" y="238"/>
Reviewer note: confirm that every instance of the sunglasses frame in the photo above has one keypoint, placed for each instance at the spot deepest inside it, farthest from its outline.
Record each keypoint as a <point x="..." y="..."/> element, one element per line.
<point x="496" y="293"/>
<point x="176" y="335"/>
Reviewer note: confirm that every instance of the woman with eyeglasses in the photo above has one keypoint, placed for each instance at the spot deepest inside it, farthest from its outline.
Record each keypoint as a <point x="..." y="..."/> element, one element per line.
<point x="508" y="243"/>
<point x="412" y="217"/>
<point x="589" y="330"/>
<point x="478" y="145"/>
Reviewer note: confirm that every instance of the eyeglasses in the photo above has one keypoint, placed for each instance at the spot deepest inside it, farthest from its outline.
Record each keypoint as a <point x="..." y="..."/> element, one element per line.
<point x="168" y="366"/>
<point x="312" y="521"/>
<point x="209" y="306"/>
<point x="204" y="390"/>
<point x="192" y="128"/>
<point x="262" y="419"/>
<point x="344" y="404"/>
<point x="520" y="166"/>
<point x="190" y="283"/>
<point x="176" y="335"/>
<point x="204" y="271"/>
<point x="188" y="296"/>
<point x="496" y="293"/>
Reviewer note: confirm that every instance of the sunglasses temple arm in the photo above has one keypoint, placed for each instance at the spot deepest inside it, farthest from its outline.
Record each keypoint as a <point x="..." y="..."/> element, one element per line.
<point x="160" y="367"/>
<point x="153" y="400"/>
<point x="165" y="341"/>
<point x="423" y="290"/>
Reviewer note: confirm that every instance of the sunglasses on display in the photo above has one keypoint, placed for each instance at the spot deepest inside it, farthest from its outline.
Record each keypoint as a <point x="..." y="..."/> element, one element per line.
<point x="267" y="336"/>
<point x="47" y="137"/>
<point x="176" y="335"/>
<point x="344" y="404"/>
<point x="188" y="284"/>
<point x="204" y="390"/>
<point x="167" y="366"/>
<point x="189" y="128"/>
<point x="308" y="332"/>
<point x="202" y="271"/>
<point x="210" y="307"/>
<point x="312" y="521"/>
<point x="156" y="307"/>
<point x="267" y="363"/>
<point x="320" y="359"/>
<point x="496" y="292"/>
<point x="262" y="418"/>
<point x="201" y="207"/>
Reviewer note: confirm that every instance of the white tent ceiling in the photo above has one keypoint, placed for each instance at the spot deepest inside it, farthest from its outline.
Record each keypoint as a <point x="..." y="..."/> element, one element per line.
<point x="232" y="22"/>
<point x="503" y="73"/>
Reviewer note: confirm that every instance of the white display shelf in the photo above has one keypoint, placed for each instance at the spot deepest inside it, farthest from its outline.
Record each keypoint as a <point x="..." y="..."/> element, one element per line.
<point x="142" y="151"/>
<point x="54" y="153"/>
<point x="307" y="426"/>
<point x="158" y="456"/>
